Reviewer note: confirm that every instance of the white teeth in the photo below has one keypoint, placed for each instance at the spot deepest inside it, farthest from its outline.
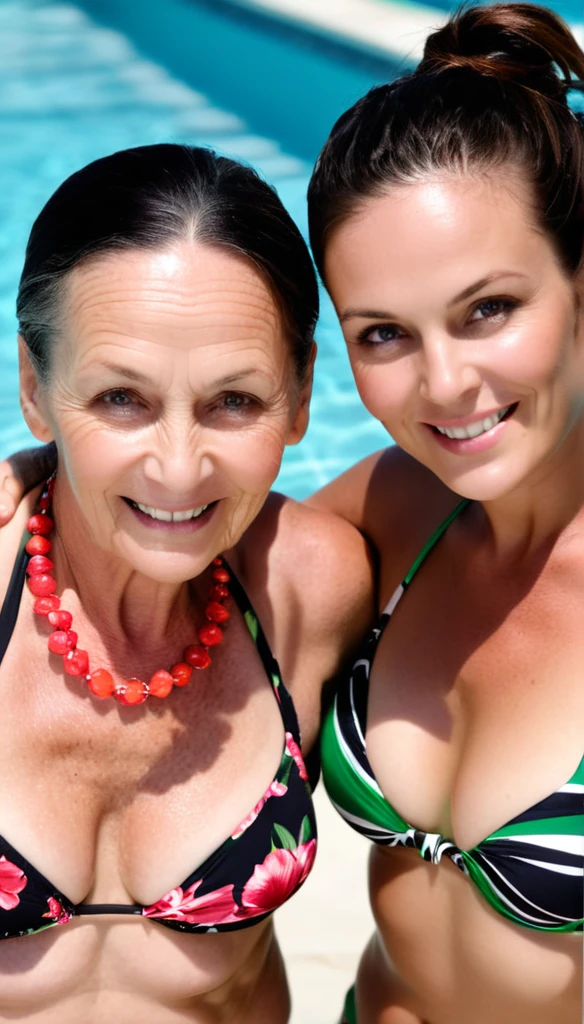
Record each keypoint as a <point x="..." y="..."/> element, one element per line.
<point x="476" y="428"/>
<point x="171" y="517"/>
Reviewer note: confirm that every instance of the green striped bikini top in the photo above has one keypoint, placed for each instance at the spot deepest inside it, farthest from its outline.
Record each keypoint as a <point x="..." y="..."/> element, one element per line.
<point x="531" y="870"/>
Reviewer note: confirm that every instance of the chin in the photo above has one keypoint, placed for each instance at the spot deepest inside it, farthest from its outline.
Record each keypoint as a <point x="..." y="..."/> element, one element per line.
<point x="166" y="567"/>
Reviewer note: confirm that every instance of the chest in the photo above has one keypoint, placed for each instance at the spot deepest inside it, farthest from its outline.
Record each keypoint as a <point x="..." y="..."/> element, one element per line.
<point x="476" y="698"/>
<point x="116" y="805"/>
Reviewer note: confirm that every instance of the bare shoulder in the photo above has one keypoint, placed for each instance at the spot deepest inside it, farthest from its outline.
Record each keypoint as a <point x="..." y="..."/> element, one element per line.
<point x="306" y="551"/>
<point x="309" y="575"/>
<point x="394" y="500"/>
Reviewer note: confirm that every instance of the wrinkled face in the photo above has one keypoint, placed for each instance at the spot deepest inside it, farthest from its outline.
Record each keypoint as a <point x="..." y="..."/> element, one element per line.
<point x="173" y="394"/>
<point x="463" y="331"/>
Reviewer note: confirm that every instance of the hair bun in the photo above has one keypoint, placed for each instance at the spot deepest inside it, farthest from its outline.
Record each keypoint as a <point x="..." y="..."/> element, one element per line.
<point x="515" y="42"/>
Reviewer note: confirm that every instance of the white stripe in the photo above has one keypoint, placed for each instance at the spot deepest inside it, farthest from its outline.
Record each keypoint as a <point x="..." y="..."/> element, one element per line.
<point x="350" y="757"/>
<point x="560" y="869"/>
<point x="572" y="787"/>
<point x="356" y="721"/>
<point x="563" y="843"/>
<point x="520" y="913"/>
<point x="394" y="600"/>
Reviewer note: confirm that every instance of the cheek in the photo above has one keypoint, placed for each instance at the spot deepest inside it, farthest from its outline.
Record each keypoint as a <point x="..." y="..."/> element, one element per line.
<point x="251" y="458"/>
<point x="383" y="387"/>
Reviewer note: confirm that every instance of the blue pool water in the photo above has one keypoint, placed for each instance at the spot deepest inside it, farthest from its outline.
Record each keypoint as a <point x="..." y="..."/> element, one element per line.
<point x="78" y="80"/>
<point x="72" y="90"/>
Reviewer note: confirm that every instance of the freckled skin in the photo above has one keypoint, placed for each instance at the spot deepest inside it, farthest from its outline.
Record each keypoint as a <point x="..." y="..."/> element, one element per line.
<point x="476" y="700"/>
<point x="173" y="384"/>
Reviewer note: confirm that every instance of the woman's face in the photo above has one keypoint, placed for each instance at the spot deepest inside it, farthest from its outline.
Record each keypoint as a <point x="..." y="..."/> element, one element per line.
<point x="172" y="396"/>
<point x="463" y="331"/>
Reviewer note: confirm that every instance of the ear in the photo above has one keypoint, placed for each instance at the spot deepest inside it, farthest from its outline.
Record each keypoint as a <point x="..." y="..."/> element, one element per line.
<point x="302" y="415"/>
<point x="31" y="396"/>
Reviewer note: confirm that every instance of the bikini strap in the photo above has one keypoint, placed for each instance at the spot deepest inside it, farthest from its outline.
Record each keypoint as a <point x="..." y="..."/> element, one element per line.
<point x="11" y="603"/>
<point x="272" y="669"/>
<point x="430" y="544"/>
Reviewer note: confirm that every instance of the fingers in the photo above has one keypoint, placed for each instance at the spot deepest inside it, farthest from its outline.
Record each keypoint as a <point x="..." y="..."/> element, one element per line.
<point x="20" y="472"/>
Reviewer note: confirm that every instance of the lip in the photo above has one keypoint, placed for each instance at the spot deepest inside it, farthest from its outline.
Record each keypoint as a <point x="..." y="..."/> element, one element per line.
<point x="465" y="421"/>
<point x="186" y="526"/>
<point x="471" y="445"/>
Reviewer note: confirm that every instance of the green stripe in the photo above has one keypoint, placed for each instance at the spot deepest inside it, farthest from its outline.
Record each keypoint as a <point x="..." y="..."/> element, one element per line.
<point x="348" y="789"/>
<point x="568" y="825"/>
<point x="434" y="540"/>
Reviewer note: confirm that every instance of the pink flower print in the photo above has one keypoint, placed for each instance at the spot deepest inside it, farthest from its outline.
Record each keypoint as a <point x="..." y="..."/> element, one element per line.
<point x="12" y="881"/>
<point x="295" y="752"/>
<point x="274" y="789"/>
<point x="281" y="873"/>
<point x="217" y="907"/>
<point x="57" y="911"/>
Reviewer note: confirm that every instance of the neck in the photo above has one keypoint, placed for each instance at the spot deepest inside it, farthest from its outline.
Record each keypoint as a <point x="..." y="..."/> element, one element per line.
<point x="120" y="601"/>
<point x="544" y="507"/>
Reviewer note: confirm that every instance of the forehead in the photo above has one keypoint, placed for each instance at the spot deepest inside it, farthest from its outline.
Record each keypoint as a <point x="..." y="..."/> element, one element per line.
<point x="438" y="232"/>
<point x="175" y="294"/>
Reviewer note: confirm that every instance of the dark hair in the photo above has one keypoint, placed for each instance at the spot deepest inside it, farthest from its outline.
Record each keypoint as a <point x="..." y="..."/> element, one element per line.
<point x="489" y="90"/>
<point x="146" y="198"/>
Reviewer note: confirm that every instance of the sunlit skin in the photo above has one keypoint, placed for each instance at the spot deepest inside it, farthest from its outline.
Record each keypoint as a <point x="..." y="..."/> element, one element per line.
<point x="455" y="306"/>
<point x="172" y="384"/>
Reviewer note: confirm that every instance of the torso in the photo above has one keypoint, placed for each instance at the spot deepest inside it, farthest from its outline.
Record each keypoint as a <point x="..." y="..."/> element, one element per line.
<point x="475" y="714"/>
<point x="118" y="807"/>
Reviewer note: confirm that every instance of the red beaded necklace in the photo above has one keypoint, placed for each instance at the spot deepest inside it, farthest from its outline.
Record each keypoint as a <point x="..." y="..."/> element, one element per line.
<point x="63" y="640"/>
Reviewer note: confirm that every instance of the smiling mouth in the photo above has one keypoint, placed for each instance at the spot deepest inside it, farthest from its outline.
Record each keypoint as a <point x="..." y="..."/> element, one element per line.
<point x="169" y="517"/>
<point x="478" y="427"/>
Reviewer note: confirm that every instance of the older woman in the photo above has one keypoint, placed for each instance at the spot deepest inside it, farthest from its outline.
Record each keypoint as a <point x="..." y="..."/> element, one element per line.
<point x="447" y="219"/>
<point x="155" y="806"/>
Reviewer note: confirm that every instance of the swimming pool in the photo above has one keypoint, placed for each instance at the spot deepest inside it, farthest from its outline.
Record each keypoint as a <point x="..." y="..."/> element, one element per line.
<point x="78" y="80"/>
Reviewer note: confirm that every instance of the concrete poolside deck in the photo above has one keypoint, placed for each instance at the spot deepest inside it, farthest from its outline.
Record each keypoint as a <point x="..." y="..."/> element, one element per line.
<point x="323" y="929"/>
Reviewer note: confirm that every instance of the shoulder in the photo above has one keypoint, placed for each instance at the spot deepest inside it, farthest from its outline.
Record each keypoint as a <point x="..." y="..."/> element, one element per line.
<point x="396" y="502"/>
<point x="309" y="576"/>
<point x="307" y="552"/>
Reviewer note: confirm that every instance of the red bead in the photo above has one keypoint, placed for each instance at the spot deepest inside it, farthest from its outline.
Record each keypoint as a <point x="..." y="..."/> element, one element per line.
<point x="131" y="692"/>
<point x="42" y="586"/>
<point x="161" y="683"/>
<point x="40" y="524"/>
<point x="210" y="635"/>
<point x="60" y="620"/>
<point x="45" y="605"/>
<point x="101" y="683"/>
<point x="38" y="545"/>
<point x="76" y="663"/>
<point x="181" y="673"/>
<point x="216" y="612"/>
<point x="197" y="656"/>
<point x="60" y="641"/>
<point x="217" y="561"/>
<point x="44" y="503"/>
<point x="221" y="575"/>
<point x="219" y="592"/>
<point x="39" y="564"/>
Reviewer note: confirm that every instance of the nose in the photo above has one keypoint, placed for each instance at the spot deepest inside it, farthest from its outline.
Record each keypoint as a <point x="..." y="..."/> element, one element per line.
<point x="447" y="373"/>
<point x="178" y="459"/>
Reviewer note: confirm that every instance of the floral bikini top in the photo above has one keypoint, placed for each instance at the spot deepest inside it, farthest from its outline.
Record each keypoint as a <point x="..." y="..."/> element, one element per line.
<point x="258" y="867"/>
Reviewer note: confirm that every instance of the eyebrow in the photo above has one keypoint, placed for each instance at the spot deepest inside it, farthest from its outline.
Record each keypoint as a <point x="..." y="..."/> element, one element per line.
<point x="467" y="293"/>
<point x="140" y="378"/>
